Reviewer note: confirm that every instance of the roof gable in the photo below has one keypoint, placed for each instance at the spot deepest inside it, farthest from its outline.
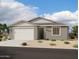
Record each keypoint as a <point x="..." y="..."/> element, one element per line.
<point x="40" y="20"/>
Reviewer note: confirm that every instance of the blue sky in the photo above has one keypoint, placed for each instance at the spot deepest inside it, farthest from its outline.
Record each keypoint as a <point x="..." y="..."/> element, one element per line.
<point x="64" y="11"/>
<point x="52" y="6"/>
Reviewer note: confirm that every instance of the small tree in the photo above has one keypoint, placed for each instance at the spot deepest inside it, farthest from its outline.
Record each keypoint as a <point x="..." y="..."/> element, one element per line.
<point x="71" y="36"/>
<point x="75" y="30"/>
<point x="4" y="31"/>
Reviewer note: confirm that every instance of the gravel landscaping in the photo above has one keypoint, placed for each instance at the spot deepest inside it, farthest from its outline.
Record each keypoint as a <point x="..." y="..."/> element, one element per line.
<point x="68" y="44"/>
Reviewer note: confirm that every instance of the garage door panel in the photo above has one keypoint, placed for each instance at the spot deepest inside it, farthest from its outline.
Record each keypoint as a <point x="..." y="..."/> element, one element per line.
<point x="24" y="34"/>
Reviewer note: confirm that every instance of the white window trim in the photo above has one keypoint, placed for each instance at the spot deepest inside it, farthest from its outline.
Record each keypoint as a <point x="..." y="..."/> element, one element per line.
<point x="59" y="31"/>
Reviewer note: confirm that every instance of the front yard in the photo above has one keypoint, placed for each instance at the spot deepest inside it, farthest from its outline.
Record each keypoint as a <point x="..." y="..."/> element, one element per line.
<point x="51" y="44"/>
<point x="68" y="44"/>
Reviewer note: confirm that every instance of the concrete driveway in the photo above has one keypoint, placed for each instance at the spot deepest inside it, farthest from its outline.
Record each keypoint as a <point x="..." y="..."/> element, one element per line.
<point x="37" y="53"/>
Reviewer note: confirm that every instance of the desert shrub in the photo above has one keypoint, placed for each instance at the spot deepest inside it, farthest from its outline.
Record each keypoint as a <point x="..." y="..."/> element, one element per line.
<point x="0" y="39"/>
<point x="52" y="44"/>
<point x="9" y="39"/>
<point x="75" y="46"/>
<point x="47" y="39"/>
<point x="53" y="40"/>
<point x="24" y="43"/>
<point x="66" y="42"/>
<point x="40" y="41"/>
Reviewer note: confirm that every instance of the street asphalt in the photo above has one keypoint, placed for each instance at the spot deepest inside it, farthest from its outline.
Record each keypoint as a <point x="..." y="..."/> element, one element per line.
<point x="37" y="53"/>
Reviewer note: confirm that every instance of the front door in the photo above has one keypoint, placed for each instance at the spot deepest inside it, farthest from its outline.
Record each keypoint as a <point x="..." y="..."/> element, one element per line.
<point x="40" y="33"/>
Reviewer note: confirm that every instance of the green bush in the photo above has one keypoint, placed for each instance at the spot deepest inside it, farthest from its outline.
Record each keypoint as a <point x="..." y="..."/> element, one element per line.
<point x="66" y="42"/>
<point x="24" y="43"/>
<point x="75" y="46"/>
<point x="52" y="44"/>
<point x="1" y="36"/>
<point x="53" y="40"/>
<point x="40" y="41"/>
<point x="71" y="36"/>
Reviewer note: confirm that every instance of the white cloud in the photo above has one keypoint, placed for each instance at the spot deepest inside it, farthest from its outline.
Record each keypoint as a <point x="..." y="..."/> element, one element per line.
<point x="67" y="17"/>
<point x="12" y="11"/>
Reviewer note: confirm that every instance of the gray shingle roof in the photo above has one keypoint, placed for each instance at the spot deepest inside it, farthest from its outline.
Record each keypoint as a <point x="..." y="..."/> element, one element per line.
<point x="52" y="22"/>
<point x="36" y="19"/>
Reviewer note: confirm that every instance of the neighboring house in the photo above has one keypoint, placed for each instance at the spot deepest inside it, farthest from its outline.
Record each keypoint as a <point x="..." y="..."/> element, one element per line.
<point x="38" y="28"/>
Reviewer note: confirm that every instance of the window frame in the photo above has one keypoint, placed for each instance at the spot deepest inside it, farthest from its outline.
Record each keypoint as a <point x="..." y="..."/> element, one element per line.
<point x="59" y="31"/>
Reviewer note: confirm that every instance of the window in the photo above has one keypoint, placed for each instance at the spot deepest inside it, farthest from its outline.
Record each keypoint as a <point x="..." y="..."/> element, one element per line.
<point x="56" y="31"/>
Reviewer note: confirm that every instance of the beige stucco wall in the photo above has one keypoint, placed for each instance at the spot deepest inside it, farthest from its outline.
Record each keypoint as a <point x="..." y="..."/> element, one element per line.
<point x="64" y="33"/>
<point x="35" y="33"/>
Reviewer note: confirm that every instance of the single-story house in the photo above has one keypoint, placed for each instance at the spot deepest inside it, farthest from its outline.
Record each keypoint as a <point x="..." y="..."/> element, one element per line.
<point x="38" y="28"/>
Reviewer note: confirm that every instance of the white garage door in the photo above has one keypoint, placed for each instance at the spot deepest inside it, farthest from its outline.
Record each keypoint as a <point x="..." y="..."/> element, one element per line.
<point x="24" y="34"/>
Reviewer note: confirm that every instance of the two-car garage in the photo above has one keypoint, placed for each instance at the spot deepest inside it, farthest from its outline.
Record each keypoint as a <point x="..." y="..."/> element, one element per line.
<point x="22" y="31"/>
